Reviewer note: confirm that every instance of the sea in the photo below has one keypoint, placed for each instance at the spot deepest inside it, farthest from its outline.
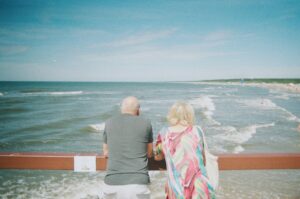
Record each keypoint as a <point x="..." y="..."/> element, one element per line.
<point x="70" y="117"/>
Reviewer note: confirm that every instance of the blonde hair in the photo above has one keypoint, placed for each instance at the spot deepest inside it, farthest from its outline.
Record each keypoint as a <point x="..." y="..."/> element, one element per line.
<point x="181" y="113"/>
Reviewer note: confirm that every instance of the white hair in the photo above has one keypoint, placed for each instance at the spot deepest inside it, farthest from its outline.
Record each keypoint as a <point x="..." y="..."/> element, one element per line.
<point x="130" y="105"/>
<point x="181" y="113"/>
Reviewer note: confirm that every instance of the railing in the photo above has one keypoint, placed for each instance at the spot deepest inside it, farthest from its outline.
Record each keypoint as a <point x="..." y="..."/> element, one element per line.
<point x="65" y="161"/>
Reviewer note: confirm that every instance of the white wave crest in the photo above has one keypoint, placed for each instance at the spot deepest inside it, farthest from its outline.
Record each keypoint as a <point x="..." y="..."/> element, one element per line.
<point x="144" y="109"/>
<point x="97" y="127"/>
<point x="240" y="136"/>
<point x="65" y="93"/>
<point x="259" y="103"/>
<point x="206" y="104"/>
<point x="102" y="92"/>
<point x="283" y="96"/>
<point x="267" y="104"/>
<point x="293" y="117"/>
<point x="290" y="116"/>
<point x="1" y="94"/>
<point x="238" y="149"/>
<point x="55" y="93"/>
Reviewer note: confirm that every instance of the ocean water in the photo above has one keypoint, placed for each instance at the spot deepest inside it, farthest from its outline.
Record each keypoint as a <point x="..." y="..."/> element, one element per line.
<point x="70" y="116"/>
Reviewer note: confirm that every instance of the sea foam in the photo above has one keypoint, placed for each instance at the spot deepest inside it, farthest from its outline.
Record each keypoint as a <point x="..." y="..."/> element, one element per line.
<point x="207" y="107"/>
<point x="55" y="93"/>
<point x="243" y="134"/>
<point x="206" y="104"/>
<point x="259" y="103"/>
<point x="97" y="127"/>
<point x="238" y="149"/>
<point x="267" y="104"/>
<point x="283" y="96"/>
<point x="1" y="94"/>
<point x="290" y="116"/>
<point x="65" y="93"/>
<point x="145" y="109"/>
<point x="240" y="136"/>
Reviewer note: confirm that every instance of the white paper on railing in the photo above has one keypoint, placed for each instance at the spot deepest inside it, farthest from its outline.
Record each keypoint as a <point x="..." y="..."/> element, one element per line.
<point x="84" y="163"/>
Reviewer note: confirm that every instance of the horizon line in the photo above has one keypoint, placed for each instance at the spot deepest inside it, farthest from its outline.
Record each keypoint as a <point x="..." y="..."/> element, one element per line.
<point x="155" y="81"/>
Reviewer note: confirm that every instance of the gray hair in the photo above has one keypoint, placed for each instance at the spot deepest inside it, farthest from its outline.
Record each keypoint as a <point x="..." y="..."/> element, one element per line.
<point x="130" y="105"/>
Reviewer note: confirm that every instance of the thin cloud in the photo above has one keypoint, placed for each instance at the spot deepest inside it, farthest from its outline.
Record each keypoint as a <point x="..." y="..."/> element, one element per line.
<point x="157" y="54"/>
<point x="218" y="36"/>
<point x="25" y="33"/>
<point x="141" y="38"/>
<point x="140" y="49"/>
<point x="287" y="17"/>
<point x="12" y="50"/>
<point x="44" y="33"/>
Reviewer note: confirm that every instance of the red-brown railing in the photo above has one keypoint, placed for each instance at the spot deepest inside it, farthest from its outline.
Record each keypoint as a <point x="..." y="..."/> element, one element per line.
<point x="65" y="161"/>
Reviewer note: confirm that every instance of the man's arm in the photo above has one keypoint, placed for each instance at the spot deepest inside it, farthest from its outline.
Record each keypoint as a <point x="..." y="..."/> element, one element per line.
<point x="105" y="146"/>
<point x="150" y="150"/>
<point x="150" y="141"/>
<point x="105" y="150"/>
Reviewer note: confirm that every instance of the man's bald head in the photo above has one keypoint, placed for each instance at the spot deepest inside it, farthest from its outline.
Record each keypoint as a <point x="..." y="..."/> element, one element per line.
<point x="130" y="105"/>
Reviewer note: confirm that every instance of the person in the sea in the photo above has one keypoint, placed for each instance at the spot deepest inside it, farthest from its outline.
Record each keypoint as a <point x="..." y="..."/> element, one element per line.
<point x="128" y="144"/>
<point x="181" y="146"/>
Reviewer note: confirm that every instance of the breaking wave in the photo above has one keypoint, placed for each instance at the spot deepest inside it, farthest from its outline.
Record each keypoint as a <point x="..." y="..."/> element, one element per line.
<point x="267" y="104"/>
<point x="240" y="136"/>
<point x="204" y="103"/>
<point x="97" y="127"/>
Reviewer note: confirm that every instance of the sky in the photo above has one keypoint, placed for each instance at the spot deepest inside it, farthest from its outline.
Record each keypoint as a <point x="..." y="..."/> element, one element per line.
<point x="165" y="40"/>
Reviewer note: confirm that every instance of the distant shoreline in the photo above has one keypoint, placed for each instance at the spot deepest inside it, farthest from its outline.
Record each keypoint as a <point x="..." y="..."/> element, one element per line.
<point x="258" y="80"/>
<point x="290" y="85"/>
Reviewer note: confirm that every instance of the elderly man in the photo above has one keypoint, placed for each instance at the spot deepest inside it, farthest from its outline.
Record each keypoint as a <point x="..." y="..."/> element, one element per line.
<point x="128" y="144"/>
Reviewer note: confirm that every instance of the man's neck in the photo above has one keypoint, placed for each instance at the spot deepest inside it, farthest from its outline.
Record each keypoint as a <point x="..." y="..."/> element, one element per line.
<point x="129" y="113"/>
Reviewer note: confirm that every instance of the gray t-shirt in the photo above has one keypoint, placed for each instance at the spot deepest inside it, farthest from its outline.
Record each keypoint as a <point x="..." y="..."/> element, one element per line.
<point x="127" y="137"/>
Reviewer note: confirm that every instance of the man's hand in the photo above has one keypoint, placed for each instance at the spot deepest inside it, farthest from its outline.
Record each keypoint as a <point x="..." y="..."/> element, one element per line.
<point x="159" y="157"/>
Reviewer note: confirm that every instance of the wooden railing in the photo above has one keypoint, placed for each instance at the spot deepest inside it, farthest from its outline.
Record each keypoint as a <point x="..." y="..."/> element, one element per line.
<point x="65" y="161"/>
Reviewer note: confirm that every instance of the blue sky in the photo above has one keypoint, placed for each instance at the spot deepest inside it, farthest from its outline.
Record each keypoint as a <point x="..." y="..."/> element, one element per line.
<point x="148" y="40"/>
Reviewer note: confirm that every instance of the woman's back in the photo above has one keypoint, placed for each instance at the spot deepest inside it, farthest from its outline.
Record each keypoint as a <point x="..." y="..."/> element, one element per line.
<point x="182" y="148"/>
<point x="187" y="176"/>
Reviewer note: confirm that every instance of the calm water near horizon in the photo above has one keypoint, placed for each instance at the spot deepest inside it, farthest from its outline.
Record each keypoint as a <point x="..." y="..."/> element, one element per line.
<point x="70" y="116"/>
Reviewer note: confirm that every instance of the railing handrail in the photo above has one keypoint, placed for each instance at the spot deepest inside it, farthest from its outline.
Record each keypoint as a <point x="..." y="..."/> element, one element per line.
<point x="65" y="161"/>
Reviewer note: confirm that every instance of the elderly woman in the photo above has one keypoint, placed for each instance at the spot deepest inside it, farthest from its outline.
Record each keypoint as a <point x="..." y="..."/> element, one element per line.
<point x="182" y="147"/>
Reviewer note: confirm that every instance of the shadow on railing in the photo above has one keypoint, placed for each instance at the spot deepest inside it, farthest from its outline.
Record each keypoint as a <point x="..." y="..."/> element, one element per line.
<point x="65" y="161"/>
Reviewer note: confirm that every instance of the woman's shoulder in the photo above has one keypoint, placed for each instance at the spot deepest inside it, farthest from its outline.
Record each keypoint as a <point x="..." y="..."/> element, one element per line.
<point x="198" y="127"/>
<point x="198" y="130"/>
